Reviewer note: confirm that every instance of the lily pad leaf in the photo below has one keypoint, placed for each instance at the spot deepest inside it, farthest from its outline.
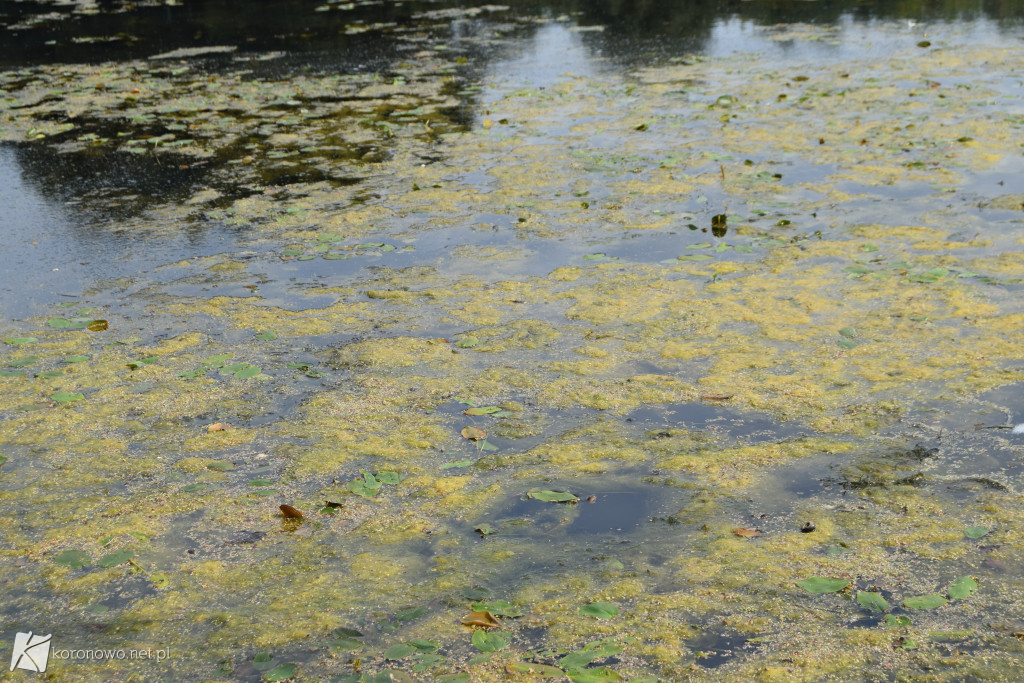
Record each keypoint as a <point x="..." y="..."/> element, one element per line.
<point x="577" y="660"/>
<point x="473" y="433"/>
<point x="822" y="584"/>
<point x="872" y="601"/>
<point x="553" y="496"/>
<point x="893" y="620"/>
<point x="476" y="593"/>
<point x="399" y="651"/>
<point x="423" y="645"/>
<point x="18" y="341"/>
<point x="925" y="601"/>
<point x="975" y="531"/>
<point x="388" y="477"/>
<point x="467" y="342"/>
<point x="344" y="644"/>
<point x="486" y="641"/>
<point x="115" y="558"/>
<point x="599" y="610"/>
<point x="598" y="675"/>
<point x="483" y="410"/>
<point x="268" y="335"/>
<point x="536" y="670"/>
<point x="361" y="489"/>
<point x="501" y="608"/>
<point x="411" y="613"/>
<point x="247" y="372"/>
<point x="962" y="587"/>
<point x="481" y="619"/>
<point x="457" y="463"/>
<point x="75" y="559"/>
<point x="67" y="397"/>
<point x="280" y="673"/>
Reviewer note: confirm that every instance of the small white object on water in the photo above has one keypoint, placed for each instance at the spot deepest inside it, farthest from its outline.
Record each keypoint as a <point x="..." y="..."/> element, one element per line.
<point x="1019" y="429"/>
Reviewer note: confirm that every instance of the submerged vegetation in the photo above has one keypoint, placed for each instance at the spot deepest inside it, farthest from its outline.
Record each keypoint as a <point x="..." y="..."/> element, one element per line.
<point x="693" y="372"/>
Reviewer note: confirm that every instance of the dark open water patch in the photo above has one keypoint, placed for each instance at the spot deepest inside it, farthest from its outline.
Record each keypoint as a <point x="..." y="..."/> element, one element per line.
<point x="726" y="422"/>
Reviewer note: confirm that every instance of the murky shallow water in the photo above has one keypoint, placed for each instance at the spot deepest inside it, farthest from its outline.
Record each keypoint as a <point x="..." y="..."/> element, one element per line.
<point x="746" y="285"/>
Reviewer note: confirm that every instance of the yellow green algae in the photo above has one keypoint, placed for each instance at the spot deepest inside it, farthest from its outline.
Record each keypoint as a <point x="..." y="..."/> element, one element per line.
<point x="866" y="336"/>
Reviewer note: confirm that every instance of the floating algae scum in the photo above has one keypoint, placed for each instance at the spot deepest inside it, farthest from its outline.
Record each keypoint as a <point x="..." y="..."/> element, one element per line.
<point x="694" y="371"/>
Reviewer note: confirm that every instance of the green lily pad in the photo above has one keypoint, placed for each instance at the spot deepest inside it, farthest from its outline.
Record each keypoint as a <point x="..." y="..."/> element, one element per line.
<point x="601" y="674"/>
<point x="361" y="489"/>
<point x="821" y="584"/>
<point x="975" y="531"/>
<point x="23" y="362"/>
<point x="600" y="610"/>
<point x="411" y="613"/>
<point x="66" y="397"/>
<point x="872" y="601"/>
<point x="476" y="593"/>
<point x="261" y="481"/>
<point x="399" y="651"/>
<point x="344" y="644"/>
<point x="467" y="342"/>
<point x="457" y="463"/>
<point x="553" y="496"/>
<point x="75" y="559"/>
<point x="483" y="410"/>
<point x="536" y="670"/>
<point x="280" y="673"/>
<point x="925" y="601"/>
<point x="578" y="659"/>
<point x="423" y="645"/>
<point x="268" y="335"/>
<point x="115" y="558"/>
<point x="962" y="587"/>
<point x="18" y="341"/>
<point x="388" y="477"/>
<point x="488" y="642"/>
<point x="247" y="371"/>
<point x="893" y="620"/>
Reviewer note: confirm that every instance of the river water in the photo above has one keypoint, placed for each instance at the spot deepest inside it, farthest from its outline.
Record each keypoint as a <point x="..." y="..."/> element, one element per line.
<point x="683" y="339"/>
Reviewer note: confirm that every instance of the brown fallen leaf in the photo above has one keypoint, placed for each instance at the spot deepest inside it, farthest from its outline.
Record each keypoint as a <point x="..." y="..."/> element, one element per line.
<point x="715" y="397"/>
<point x="218" y="427"/>
<point x="290" y="513"/>
<point x="482" y="618"/>
<point x="746" y="533"/>
<point x="474" y="433"/>
<point x="97" y="326"/>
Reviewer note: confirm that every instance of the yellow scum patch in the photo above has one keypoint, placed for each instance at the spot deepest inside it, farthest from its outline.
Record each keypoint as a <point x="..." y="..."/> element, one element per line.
<point x="739" y="466"/>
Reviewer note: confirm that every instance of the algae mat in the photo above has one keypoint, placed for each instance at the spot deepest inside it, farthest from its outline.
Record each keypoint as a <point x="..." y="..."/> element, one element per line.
<point x="702" y="372"/>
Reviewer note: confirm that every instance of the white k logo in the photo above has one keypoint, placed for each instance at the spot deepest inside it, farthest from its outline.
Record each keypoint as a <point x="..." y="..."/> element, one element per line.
<point x="30" y="652"/>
